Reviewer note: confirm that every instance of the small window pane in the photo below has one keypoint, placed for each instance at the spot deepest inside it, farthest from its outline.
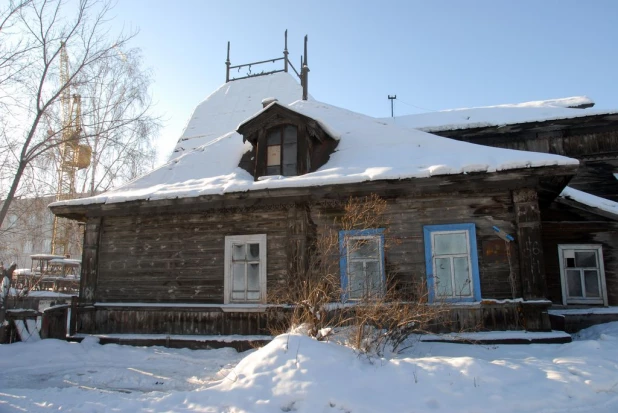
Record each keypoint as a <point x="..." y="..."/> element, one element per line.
<point x="253" y="277"/>
<point x="585" y="259"/>
<point x="574" y="284"/>
<point x="273" y="155"/>
<point x="274" y="137"/>
<point x="238" y="252"/>
<point x="289" y="134"/>
<point x="273" y="170"/>
<point x="356" y="280"/>
<point x="462" y="277"/>
<point x="570" y="262"/>
<point x="253" y="295"/>
<point x="253" y="252"/>
<point x="238" y="295"/>
<point x="442" y="275"/>
<point x="591" y="281"/>
<point x="363" y="248"/>
<point x="373" y="278"/>
<point x="289" y="154"/>
<point x="289" y="170"/>
<point x="455" y="243"/>
<point x="238" y="277"/>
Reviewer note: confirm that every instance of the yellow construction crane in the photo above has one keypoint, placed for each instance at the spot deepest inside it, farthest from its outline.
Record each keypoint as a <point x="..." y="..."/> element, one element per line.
<point x="72" y="155"/>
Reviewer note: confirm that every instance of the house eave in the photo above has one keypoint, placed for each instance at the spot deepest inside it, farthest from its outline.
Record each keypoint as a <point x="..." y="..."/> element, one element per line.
<point x="549" y="181"/>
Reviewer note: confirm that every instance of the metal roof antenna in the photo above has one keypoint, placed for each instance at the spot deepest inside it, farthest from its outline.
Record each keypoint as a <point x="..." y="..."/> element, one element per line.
<point x="304" y="70"/>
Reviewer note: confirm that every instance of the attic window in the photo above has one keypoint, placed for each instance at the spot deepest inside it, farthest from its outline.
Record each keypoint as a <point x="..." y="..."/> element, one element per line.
<point x="281" y="150"/>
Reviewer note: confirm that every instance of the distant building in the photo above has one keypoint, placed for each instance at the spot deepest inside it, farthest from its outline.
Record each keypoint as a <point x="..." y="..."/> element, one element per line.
<point x="27" y="230"/>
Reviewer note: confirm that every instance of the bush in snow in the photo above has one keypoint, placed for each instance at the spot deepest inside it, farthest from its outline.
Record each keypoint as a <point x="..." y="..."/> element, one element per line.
<point x="377" y="318"/>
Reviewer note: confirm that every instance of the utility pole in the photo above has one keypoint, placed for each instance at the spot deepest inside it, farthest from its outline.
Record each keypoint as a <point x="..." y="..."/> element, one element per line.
<point x="392" y="98"/>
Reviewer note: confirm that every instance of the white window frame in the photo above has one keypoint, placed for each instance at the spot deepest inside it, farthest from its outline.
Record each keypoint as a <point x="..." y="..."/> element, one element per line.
<point x="346" y="238"/>
<point x="601" y="269"/>
<point x="453" y="294"/>
<point x="227" y="285"/>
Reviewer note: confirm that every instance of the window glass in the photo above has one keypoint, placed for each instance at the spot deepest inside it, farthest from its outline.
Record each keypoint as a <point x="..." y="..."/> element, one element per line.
<point x="451" y="262"/>
<point x="581" y="272"/>
<point x="585" y="259"/>
<point x="462" y="276"/>
<point x="289" y="154"/>
<point x="245" y="275"/>
<point x="443" y="276"/>
<point x="591" y="283"/>
<point x="273" y="155"/>
<point x="273" y="170"/>
<point x="289" y="170"/>
<point x="289" y="134"/>
<point x="363" y="247"/>
<point x="238" y="275"/>
<point x="455" y="243"/>
<point x="253" y="277"/>
<point x="282" y="151"/>
<point x="574" y="283"/>
<point x="274" y="137"/>
<point x="254" y="252"/>
<point x="362" y="272"/>
<point x="356" y="280"/>
<point x="238" y="251"/>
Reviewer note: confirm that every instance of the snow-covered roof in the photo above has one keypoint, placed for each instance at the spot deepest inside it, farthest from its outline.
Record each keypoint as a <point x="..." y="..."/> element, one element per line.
<point x="232" y="103"/>
<point x="500" y="115"/>
<point x="368" y="149"/>
<point x="590" y="200"/>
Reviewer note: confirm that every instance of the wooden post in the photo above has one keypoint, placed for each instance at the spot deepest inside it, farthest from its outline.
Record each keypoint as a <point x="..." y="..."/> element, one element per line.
<point x="300" y="231"/>
<point x="285" y="53"/>
<point x="90" y="271"/>
<point x="227" y="64"/>
<point x="532" y="267"/>
<point x="73" y="317"/>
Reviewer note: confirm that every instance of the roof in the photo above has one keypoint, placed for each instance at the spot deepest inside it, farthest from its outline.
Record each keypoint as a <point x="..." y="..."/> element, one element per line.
<point x="595" y="203"/>
<point x="233" y="102"/>
<point x="369" y="149"/>
<point x="500" y="115"/>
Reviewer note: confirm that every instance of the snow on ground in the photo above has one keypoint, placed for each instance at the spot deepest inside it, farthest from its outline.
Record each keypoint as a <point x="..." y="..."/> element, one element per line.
<point x="297" y="374"/>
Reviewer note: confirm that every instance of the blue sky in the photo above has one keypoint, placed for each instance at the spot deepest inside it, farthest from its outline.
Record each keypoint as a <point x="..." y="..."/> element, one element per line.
<point x="433" y="55"/>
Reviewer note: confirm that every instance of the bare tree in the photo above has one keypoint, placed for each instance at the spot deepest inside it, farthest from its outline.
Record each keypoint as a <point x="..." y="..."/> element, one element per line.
<point x="116" y="106"/>
<point x="117" y="96"/>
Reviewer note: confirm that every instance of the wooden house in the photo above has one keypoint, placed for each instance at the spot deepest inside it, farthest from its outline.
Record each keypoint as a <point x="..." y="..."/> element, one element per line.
<point x="580" y="228"/>
<point x="197" y="245"/>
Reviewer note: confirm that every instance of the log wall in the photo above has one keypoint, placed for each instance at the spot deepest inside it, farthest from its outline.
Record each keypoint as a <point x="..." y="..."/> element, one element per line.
<point x="595" y="146"/>
<point x="179" y="257"/>
<point x="405" y="251"/>
<point x="562" y="225"/>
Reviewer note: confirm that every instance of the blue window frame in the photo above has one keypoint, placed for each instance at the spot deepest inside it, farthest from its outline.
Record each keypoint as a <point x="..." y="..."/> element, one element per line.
<point x="451" y="260"/>
<point x="362" y="264"/>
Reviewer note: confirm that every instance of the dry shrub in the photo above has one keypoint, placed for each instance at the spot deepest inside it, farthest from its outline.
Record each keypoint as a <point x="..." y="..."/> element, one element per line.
<point x="313" y="292"/>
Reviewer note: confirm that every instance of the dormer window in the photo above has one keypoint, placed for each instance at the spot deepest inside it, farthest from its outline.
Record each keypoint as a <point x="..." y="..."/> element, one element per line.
<point x="284" y="142"/>
<point x="282" y="150"/>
